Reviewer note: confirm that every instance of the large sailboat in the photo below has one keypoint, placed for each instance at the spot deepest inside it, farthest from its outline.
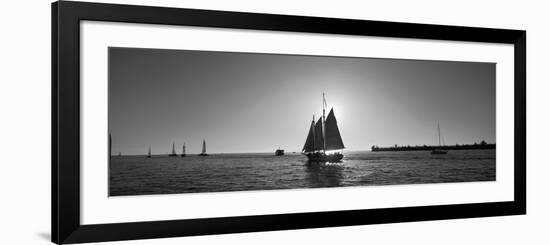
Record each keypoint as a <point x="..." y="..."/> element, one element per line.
<point x="173" y="154"/>
<point x="439" y="150"/>
<point x="203" y="152"/>
<point x="183" y="151"/>
<point x="324" y="139"/>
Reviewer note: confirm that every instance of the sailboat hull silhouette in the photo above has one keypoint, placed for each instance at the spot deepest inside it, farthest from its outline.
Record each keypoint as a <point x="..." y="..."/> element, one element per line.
<point x="323" y="157"/>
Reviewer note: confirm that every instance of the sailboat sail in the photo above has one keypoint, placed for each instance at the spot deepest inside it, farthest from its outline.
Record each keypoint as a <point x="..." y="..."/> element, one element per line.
<point x="173" y="148"/>
<point x="203" y="147"/>
<point x="333" y="140"/>
<point x="318" y="135"/>
<point x="310" y="141"/>
<point x="183" y="150"/>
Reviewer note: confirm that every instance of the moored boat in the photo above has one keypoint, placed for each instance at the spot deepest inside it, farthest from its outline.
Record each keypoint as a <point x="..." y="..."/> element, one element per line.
<point x="203" y="153"/>
<point x="173" y="154"/>
<point x="183" y="151"/>
<point x="439" y="150"/>
<point x="279" y="152"/>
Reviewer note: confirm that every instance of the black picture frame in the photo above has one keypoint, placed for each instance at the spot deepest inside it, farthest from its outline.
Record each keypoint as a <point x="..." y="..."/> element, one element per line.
<point x="65" y="162"/>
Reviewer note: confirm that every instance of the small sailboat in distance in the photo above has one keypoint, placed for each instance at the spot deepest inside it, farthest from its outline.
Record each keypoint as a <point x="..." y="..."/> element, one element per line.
<point x="438" y="150"/>
<point x="203" y="152"/>
<point x="183" y="150"/>
<point x="324" y="136"/>
<point x="173" y="154"/>
<point x="149" y="153"/>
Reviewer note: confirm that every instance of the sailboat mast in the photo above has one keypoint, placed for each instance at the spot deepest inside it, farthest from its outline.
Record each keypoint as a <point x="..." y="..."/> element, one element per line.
<point x="313" y="128"/>
<point x="439" y="134"/>
<point x="323" y="124"/>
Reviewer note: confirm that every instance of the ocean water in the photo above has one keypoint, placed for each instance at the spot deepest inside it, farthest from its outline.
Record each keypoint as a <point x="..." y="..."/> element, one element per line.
<point x="139" y="175"/>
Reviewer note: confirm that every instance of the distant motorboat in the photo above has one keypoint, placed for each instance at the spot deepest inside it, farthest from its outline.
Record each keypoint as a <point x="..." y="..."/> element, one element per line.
<point x="173" y="154"/>
<point x="438" y="150"/>
<point x="203" y="153"/>
<point x="279" y="152"/>
<point x="324" y="136"/>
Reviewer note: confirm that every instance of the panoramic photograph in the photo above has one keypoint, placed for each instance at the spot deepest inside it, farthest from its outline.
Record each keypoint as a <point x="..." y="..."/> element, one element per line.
<point x="188" y="121"/>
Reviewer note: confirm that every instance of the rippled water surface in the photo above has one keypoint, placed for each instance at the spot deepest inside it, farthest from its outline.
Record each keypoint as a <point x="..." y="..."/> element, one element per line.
<point x="139" y="175"/>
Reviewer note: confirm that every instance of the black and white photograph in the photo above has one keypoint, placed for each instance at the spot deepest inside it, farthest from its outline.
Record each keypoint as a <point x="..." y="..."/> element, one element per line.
<point x="194" y="121"/>
<point x="275" y="122"/>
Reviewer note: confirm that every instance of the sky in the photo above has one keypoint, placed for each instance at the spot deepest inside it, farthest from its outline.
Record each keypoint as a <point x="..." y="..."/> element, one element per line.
<point x="248" y="102"/>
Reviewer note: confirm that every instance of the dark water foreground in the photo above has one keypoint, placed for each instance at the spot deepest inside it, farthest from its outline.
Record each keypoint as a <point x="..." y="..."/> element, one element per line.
<point x="138" y="175"/>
